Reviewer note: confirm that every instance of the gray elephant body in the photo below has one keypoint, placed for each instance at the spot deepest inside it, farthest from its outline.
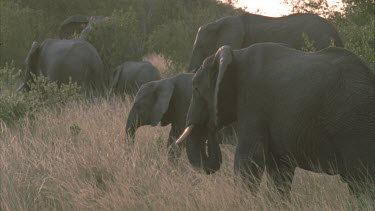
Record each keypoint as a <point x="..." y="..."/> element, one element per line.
<point x="129" y="76"/>
<point x="246" y="29"/>
<point x="294" y="109"/>
<point x="166" y="101"/>
<point x="65" y="60"/>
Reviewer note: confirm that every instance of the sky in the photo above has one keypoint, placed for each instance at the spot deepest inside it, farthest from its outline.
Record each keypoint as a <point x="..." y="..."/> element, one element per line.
<point x="273" y="8"/>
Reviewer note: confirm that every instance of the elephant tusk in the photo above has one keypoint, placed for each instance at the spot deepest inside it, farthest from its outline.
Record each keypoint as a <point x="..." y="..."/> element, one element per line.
<point x="186" y="133"/>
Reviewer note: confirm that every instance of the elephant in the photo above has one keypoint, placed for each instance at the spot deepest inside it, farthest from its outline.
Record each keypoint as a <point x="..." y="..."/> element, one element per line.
<point x="76" y="24"/>
<point x="65" y="61"/>
<point x="167" y="101"/>
<point x="129" y="76"/>
<point x="245" y="29"/>
<point x="312" y="110"/>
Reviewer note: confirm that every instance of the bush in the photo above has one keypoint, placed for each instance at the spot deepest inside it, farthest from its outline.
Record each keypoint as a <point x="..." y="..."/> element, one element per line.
<point x="18" y="27"/>
<point x="118" y="38"/>
<point x="356" y="25"/>
<point x="9" y="77"/>
<point x="175" y="38"/>
<point x="12" y="108"/>
<point x="46" y="94"/>
<point x="359" y="38"/>
<point x="42" y="95"/>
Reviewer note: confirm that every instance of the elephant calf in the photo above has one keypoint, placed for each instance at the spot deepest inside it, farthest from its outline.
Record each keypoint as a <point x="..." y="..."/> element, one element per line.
<point x="129" y="76"/>
<point x="64" y="60"/>
<point x="166" y="101"/>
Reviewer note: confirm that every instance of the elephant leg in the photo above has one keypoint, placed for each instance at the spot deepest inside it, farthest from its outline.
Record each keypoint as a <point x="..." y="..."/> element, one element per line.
<point x="249" y="164"/>
<point x="174" y="150"/>
<point x="281" y="173"/>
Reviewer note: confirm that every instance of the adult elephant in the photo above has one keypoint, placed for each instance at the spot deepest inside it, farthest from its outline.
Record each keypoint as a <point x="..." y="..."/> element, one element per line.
<point x="129" y="76"/>
<point x="246" y="29"/>
<point x="76" y="24"/>
<point x="65" y="60"/>
<point x="166" y="101"/>
<point x="294" y="109"/>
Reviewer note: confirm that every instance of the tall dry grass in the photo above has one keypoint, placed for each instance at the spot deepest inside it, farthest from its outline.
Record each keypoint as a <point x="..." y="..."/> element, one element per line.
<point x="76" y="159"/>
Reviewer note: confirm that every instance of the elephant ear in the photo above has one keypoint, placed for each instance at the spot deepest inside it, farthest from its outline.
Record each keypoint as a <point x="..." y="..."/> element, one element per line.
<point x="164" y="93"/>
<point x="225" y="94"/>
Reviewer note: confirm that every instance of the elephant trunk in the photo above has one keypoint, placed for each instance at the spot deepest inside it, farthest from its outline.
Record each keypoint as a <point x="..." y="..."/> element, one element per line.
<point x="132" y="125"/>
<point x="202" y="155"/>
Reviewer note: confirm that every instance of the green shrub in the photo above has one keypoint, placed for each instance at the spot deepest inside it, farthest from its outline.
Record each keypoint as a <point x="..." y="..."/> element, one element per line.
<point x="174" y="39"/>
<point x="43" y="95"/>
<point x="46" y="94"/>
<point x="9" y="77"/>
<point x="12" y="108"/>
<point x="18" y="27"/>
<point x="356" y="25"/>
<point x="118" y="38"/>
<point x="359" y="38"/>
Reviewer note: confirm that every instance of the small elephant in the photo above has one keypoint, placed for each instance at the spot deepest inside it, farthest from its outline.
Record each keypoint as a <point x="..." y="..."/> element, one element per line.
<point x="246" y="29"/>
<point x="166" y="101"/>
<point x="64" y="60"/>
<point x="315" y="111"/>
<point x="76" y="24"/>
<point x="129" y="76"/>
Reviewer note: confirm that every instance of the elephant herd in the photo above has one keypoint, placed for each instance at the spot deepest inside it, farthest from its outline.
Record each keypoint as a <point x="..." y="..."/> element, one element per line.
<point x="248" y="79"/>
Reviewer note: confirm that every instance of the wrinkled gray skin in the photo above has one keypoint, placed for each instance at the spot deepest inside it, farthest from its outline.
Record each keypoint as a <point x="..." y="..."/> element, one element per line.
<point x="77" y="25"/>
<point x="129" y="76"/>
<point x="59" y="60"/>
<point x="166" y="101"/>
<point x="293" y="109"/>
<point x="246" y="29"/>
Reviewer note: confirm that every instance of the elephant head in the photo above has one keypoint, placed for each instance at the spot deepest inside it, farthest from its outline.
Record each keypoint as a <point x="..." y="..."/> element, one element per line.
<point x="212" y="106"/>
<point x="210" y="37"/>
<point x="150" y="106"/>
<point x="73" y="25"/>
<point x="31" y="62"/>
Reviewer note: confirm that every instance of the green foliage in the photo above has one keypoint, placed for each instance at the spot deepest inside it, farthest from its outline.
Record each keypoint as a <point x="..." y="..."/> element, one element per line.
<point x="12" y="108"/>
<point x="18" y="27"/>
<point x="118" y="38"/>
<point x="42" y="95"/>
<point x="356" y="25"/>
<point x="9" y="76"/>
<point x="140" y="28"/>
<point x="74" y="129"/>
<point x="366" y="6"/>
<point x="308" y="43"/>
<point x="174" y="39"/>
<point x="359" y="38"/>
<point x="167" y="40"/>
<point x="45" y="94"/>
<point x="319" y="7"/>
